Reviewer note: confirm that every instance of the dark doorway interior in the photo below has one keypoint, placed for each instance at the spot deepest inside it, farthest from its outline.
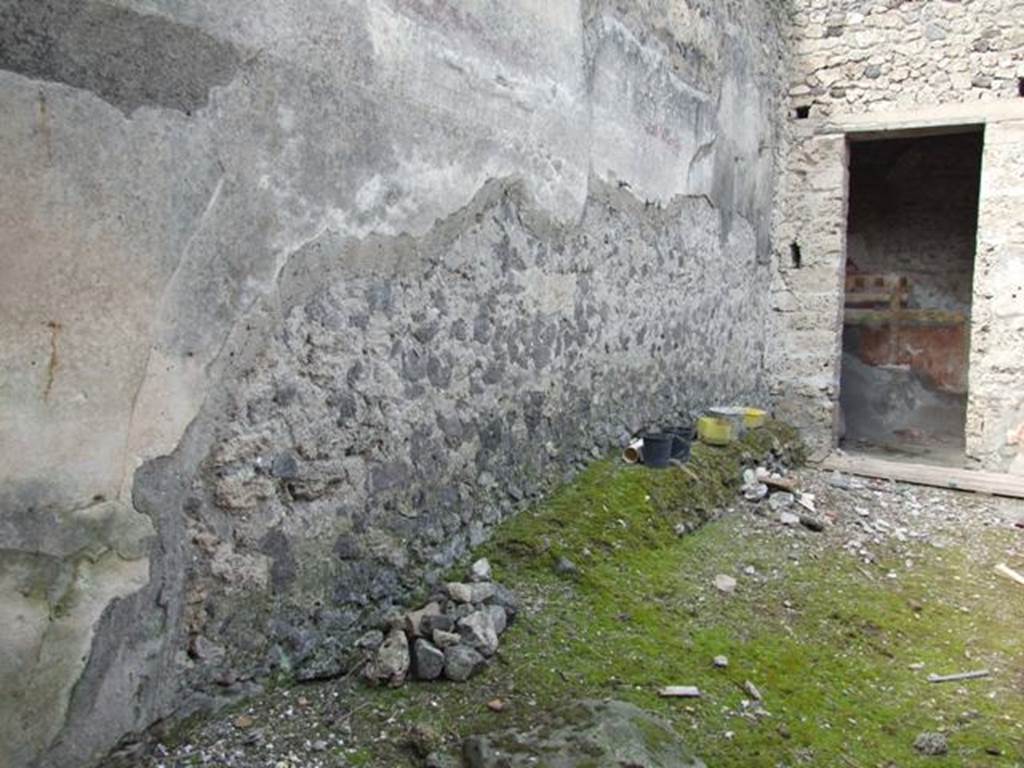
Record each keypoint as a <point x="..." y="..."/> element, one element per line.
<point x="911" y="236"/>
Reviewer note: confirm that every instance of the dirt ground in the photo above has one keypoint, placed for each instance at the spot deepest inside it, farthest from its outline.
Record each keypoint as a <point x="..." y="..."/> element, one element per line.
<point x="829" y="636"/>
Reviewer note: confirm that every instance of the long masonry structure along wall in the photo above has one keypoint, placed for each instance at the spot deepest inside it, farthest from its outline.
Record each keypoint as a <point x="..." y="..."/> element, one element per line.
<point x="862" y="68"/>
<point x="299" y="299"/>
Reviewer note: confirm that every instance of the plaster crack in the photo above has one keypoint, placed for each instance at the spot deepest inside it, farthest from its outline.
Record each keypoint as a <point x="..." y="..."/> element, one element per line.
<point x="54" y="362"/>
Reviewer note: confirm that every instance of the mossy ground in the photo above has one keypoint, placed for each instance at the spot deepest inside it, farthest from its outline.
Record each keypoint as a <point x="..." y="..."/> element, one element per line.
<point x="827" y="639"/>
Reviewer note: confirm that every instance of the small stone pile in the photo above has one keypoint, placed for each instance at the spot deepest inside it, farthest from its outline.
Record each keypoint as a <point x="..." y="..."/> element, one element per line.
<point x="452" y="636"/>
<point x="782" y="496"/>
<point x="754" y="488"/>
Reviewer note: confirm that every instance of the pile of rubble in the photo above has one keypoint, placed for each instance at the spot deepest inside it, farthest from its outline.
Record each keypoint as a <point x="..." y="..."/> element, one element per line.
<point x="452" y="636"/>
<point x="782" y="496"/>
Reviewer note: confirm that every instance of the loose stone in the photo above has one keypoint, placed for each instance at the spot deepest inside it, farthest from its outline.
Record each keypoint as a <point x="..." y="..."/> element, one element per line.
<point x="478" y="631"/>
<point x="444" y="639"/>
<point x="431" y="624"/>
<point x="498" y="617"/>
<point x="566" y="567"/>
<point x="415" y="620"/>
<point x="428" y="660"/>
<point x="392" y="662"/>
<point x="724" y="583"/>
<point x="504" y="597"/>
<point x="931" y="744"/>
<point x="480" y="570"/>
<point x="461" y="662"/>
<point x="788" y="518"/>
<point x="471" y="593"/>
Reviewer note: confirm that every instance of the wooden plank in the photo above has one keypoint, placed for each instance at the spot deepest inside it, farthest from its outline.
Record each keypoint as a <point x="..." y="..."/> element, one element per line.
<point x="993" y="483"/>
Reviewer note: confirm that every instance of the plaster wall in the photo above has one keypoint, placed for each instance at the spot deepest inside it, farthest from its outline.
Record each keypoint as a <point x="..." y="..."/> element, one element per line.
<point x="869" y="69"/>
<point x="300" y="298"/>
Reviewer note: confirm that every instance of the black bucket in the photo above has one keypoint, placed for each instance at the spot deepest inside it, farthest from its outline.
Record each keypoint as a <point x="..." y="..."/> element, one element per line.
<point x="682" y="440"/>
<point x="657" y="449"/>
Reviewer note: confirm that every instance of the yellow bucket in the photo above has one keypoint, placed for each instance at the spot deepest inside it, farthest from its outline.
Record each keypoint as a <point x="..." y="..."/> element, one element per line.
<point x="754" y="417"/>
<point x="714" y="431"/>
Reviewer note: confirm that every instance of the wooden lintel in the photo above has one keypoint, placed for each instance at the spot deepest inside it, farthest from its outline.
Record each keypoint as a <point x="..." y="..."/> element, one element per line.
<point x="994" y="483"/>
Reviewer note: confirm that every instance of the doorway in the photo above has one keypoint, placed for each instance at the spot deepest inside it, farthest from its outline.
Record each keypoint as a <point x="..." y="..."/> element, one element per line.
<point x="910" y="247"/>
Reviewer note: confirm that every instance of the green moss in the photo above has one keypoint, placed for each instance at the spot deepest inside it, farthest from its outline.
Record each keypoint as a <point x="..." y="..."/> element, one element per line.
<point x="827" y="642"/>
<point x="614" y="508"/>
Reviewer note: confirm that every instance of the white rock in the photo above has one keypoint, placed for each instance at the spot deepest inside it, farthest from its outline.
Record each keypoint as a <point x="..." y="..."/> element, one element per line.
<point x="480" y="570"/>
<point x="724" y="583"/>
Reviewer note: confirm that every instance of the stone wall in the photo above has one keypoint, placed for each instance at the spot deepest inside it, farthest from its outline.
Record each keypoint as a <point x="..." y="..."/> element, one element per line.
<point x="300" y="298"/>
<point x="873" y="69"/>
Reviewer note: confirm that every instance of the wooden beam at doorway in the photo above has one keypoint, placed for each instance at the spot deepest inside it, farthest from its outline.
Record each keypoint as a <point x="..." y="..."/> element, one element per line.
<point x="994" y="483"/>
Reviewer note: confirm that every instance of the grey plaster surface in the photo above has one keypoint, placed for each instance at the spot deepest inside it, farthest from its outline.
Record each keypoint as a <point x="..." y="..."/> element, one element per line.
<point x="301" y="298"/>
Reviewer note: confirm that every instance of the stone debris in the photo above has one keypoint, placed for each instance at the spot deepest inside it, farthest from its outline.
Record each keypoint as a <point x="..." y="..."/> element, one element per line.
<point x="788" y="518"/>
<point x="428" y="660"/>
<point x="498" y="616"/>
<point x="391" y="663"/>
<point x="721" y="662"/>
<point x="839" y="480"/>
<point x="415" y="626"/>
<point x="497" y="705"/>
<point x="725" y="584"/>
<point x="755" y="491"/>
<point x="806" y="500"/>
<point x="812" y="523"/>
<point x="437" y="623"/>
<point x="441" y="760"/>
<point x="451" y="636"/>
<point x="480" y="570"/>
<point x="504" y="597"/>
<point x="933" y="744"/>
<point x="462" y="662"/>
<point x="478" y="631"/>
<point x="566" y="567"/>
<point x="782" y="494"/>
<point x="444" y="639"/>
<point x="471" y="593"/>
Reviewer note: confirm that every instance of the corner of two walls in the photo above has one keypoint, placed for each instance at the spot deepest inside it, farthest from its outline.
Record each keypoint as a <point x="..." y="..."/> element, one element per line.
<point x="288" y="333"/>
